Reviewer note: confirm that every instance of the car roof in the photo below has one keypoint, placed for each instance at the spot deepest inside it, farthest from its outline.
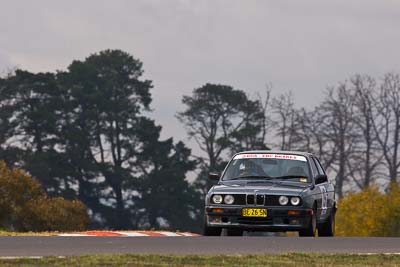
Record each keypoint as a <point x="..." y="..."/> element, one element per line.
<point x="306" y="154"/>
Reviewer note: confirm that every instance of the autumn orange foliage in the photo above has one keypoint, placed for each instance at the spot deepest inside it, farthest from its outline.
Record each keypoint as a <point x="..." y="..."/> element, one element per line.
<point x="370" y="213"/>
<point x="24" y="206"/>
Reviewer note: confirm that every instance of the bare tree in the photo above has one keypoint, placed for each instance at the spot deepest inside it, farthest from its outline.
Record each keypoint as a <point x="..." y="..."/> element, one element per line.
<point x="355" y="130"/>
<point x="387" y="126"/>
<point x="312" y="137"/>
<point x="285" y="121"/>
<point x="337" y="124"/>
<point x="366" y="157"/>
<point x="265" y="102"/>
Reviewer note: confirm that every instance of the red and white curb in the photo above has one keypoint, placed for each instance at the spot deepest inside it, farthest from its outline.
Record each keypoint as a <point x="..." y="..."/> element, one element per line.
<point x="129" y="233"/>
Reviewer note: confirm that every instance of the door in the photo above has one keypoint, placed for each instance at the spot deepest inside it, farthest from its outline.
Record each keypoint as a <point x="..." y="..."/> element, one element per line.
<point x="328" y="191"/>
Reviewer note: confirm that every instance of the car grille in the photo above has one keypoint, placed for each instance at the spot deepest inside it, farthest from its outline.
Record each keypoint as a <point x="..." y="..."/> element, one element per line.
<point x="250" y="199"/>
<point x="272" y="201"/>
<point x="240" y="199"/>
<point x="263" y="200"/>
<point x="259" y="200"/>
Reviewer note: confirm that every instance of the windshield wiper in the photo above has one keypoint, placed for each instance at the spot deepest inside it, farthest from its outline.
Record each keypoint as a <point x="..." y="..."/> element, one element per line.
<point x="250" y="176"/>
<point x="291" y="176"/>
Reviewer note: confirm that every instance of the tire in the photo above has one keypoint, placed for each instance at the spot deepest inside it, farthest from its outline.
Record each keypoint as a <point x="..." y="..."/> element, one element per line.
<point x="312" y="227"/>
<point x="234" y="232"/>
<point x="210" y="231"/>
<point x="328" y="228"/>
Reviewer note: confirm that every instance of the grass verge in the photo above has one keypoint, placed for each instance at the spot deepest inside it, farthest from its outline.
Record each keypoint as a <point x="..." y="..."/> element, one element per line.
<point x="291" y="259"/>
<point x="8" y="233"/>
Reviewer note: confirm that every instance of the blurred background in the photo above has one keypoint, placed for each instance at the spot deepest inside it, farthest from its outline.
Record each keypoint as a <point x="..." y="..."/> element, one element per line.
<point x="119" y="110"/>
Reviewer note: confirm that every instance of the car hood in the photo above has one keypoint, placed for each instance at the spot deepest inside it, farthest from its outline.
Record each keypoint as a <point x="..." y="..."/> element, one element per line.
<point x="261" y="187"/>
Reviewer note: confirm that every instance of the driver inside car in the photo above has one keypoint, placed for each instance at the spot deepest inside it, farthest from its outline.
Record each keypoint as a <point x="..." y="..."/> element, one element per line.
<point x="249" y="168"/>
<point x="296" y="171"/>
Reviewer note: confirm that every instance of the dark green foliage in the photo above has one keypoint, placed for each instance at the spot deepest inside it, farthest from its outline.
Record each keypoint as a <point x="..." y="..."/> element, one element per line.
<point x="221" y="120"/>
<point x="164" y="192"/>
<point x="104" y="125"/>
<point x="29" y="108"/>
<point x="83" y="134"/>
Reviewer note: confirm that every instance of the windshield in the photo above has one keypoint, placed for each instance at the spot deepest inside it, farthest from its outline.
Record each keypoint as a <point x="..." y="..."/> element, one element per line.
<point x="268" y="166"/>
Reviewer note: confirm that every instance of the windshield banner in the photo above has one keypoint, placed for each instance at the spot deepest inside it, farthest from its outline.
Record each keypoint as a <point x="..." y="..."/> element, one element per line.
<point x="270" y="156"/>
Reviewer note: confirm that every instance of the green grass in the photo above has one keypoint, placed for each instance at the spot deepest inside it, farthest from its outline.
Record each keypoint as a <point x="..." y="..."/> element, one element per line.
<point x="291" y="259"/>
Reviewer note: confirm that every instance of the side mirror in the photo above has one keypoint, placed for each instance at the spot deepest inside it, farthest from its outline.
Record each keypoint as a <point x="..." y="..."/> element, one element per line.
<point x="320" y="178"/>
<point x="213" y="176"/>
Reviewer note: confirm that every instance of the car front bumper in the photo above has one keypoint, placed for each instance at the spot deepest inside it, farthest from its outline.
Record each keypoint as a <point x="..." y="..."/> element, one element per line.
<point x="278" y="218"/>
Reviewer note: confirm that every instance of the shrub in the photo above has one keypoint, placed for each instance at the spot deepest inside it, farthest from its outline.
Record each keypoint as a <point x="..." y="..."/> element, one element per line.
<point x="24" y="206"/>
<point x="369" y="213"/>
<point x="392" y="221"/>
<point x="52" y="214"/>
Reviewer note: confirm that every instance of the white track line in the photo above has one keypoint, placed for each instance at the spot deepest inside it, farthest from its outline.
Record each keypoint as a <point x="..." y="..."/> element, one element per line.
<point x="74" y="235"/>
<point x="188" y="234"/>
<point x="132" y="233"/>
<point x="168" y="234"/>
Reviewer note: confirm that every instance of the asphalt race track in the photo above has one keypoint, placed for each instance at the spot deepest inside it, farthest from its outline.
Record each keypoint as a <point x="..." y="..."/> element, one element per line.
<point x="65" y="246"/>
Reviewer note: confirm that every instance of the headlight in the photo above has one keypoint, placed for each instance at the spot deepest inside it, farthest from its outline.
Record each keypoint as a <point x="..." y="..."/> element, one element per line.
<point x="217" y="199"/>
<point x="283" y="200"/>
<point x="295" y="201"/>
<point x="229" y="199"/>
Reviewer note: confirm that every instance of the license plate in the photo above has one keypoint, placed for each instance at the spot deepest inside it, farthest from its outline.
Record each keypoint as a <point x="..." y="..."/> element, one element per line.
<point x="247" y="212"/>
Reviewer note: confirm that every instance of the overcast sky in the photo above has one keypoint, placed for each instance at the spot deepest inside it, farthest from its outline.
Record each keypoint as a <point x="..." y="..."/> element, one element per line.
<point x="301" y="46"/>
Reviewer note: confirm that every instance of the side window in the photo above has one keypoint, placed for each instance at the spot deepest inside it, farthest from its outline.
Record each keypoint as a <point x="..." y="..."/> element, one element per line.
<point x="320" y="169"/>
<point x="313" y="167"/>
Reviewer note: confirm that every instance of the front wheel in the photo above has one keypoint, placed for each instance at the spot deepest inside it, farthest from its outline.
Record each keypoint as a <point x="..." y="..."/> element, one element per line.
<point x="311" y="228"/>
<point x="328" y="227"/>
<point x="210" y="231"/>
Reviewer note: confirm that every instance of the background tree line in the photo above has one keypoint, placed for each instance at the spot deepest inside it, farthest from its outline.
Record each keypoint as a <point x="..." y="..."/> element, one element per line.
<point x="84" y="134"/>
<point x="355" y="130"/>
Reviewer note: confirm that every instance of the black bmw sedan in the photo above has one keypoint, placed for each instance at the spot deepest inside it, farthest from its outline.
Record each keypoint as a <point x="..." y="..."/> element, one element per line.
<point x="271" y="191"/>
